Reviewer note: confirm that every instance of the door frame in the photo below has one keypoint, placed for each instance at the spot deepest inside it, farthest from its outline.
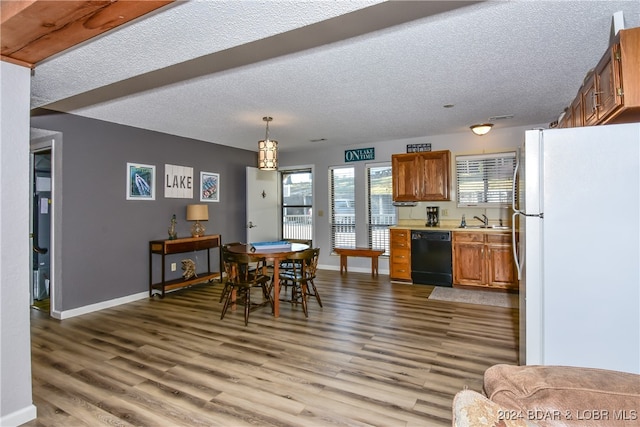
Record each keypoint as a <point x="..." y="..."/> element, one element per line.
<point x="42" y="140"/>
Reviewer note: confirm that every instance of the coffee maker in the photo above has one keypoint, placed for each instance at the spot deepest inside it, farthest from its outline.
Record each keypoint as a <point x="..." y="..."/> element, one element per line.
<point x="433" y="216"/>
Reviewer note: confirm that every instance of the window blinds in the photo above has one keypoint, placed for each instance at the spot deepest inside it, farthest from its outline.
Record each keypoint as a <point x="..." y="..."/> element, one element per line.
<point x="485" y="179"/>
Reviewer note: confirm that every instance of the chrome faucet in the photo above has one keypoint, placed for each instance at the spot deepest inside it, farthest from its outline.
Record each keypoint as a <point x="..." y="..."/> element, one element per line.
<point x="484" y="220"/>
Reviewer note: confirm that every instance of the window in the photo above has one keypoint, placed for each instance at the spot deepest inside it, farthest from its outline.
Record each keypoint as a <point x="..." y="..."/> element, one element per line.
<point x="342" y="206"/>
<point x="485" y="179"/>
<point x="381" y="213"/>
<point x="297" y="200"/>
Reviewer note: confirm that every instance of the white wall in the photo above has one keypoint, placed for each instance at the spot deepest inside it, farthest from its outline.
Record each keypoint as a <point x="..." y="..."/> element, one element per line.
<point x="499" y="139"/>
<point x="15" y="347"/>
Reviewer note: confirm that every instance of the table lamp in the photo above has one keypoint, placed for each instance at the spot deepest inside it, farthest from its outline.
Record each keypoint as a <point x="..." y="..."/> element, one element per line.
<point x="197" y="213"/>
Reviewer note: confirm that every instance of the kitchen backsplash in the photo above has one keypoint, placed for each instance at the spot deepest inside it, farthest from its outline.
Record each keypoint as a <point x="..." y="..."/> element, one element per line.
<point x="451" y="214"/>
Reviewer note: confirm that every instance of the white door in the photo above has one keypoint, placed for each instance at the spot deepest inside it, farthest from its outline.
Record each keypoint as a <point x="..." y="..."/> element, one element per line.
<point x="263" y="216"/>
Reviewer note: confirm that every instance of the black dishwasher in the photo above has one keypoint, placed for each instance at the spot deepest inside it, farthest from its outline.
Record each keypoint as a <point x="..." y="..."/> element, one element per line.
<point x="431" y="258"/>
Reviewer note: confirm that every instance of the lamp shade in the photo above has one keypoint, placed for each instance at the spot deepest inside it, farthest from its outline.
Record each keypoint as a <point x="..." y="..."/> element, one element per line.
<point x="197" y="213"/>
<point x="482" y="129"/>
<point x="268" y="154"/>
<point x="267" y="150"/>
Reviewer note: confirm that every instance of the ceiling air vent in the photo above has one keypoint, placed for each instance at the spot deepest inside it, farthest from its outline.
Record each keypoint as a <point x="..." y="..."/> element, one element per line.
<point x="503" y="117"/>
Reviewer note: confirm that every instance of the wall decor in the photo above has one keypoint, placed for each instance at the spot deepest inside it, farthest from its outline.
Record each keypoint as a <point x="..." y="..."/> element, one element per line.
<point x="359" y="154"/>
<point x="418" y="148"/>
<point x="209" y="187"/>
<point x="141" y="181"/>
<point x="178" y="182"/>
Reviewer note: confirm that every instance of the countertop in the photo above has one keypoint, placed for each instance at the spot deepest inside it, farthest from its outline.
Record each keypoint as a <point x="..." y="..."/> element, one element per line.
<point x="447" y="226"/>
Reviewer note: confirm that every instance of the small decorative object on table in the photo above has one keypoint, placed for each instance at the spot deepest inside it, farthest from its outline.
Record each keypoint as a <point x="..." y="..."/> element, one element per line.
<point x="173" y="235"/>
<point x="189" y="268"/>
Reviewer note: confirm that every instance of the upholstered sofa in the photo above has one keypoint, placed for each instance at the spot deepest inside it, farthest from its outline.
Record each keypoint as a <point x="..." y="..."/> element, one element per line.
<point x="550" y="396"/>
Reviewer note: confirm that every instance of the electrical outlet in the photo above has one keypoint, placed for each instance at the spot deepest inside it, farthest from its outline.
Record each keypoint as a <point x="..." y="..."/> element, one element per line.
<point x="173" y="266"/>
<point x="445" y="212"/>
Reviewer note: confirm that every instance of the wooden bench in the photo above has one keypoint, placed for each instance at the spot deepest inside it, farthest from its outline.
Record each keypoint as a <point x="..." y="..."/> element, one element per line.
<point x="361" y="252"/>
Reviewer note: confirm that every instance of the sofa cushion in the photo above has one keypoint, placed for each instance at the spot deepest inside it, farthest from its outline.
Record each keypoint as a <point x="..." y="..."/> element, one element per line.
<point x="472" y="409"/>
<point x="566" y="395"/>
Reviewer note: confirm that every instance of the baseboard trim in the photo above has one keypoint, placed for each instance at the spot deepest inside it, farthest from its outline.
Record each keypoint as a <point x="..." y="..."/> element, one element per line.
<point x="19" y="417"/>
<point x="66" y="314"/>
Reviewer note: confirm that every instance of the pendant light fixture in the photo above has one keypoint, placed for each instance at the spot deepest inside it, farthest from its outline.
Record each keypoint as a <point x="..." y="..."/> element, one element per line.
<point x="267" y="151"/>
<point x="482" y="129"/>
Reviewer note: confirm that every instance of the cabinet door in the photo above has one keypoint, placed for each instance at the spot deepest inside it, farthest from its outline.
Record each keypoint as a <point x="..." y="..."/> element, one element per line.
<point x="468" y="264"/>
<point x="435" y="175"/>
<point x="501" y="270"/>
<point x="501" y="267"/>
<point x="577" y="111"/>
<point x="405" y="185"/>
<point x="608" y="74"/>
<point x="590" y="100"/>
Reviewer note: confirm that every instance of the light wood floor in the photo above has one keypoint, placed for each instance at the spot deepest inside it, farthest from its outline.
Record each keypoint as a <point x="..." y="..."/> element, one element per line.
<point x="376" y="354"/>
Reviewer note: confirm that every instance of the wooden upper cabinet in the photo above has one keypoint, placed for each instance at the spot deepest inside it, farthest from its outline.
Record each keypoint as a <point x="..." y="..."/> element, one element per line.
<point x="609" y="83"/>
<point x="405" y="177"/>
<point x="602" y="90"/>
<point x="421" y="176"/>
<point x="611" y="92"/>
<point x="590" y="101"/>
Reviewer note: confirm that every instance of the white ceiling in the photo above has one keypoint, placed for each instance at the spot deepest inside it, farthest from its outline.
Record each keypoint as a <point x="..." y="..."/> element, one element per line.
<point x="351" y="72"/>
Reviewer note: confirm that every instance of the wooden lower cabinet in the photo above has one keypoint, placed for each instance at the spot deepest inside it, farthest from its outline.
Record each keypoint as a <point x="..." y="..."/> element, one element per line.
<point x="484" y="259"/>
<point x="400" y="257"/>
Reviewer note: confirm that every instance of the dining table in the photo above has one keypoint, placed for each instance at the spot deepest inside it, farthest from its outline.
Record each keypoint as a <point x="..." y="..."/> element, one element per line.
<point x="275" y="255"/>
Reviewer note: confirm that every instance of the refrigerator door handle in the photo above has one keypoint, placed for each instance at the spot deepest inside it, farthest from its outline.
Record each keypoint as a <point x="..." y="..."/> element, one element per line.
<point x="514" y="244"/>
<point x="514" y="185"/>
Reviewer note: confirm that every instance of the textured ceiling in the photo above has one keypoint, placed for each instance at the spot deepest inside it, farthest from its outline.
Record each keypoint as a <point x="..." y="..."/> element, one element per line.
<point x="350" y="72"/>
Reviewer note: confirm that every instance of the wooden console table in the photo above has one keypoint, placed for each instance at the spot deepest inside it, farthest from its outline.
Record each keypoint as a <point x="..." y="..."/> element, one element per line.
<point x="187" y="244"/>
<point x="361" y="252"/>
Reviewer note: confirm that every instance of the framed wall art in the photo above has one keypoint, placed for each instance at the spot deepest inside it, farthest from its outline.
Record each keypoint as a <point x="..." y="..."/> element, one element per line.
<point x="178" y="182"/>
<point x="209" y="187"/>
<point x="141" y="182"/>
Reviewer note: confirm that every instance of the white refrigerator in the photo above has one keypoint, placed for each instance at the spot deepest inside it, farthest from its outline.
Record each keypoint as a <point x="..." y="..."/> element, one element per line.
<point x="577" y="213"/>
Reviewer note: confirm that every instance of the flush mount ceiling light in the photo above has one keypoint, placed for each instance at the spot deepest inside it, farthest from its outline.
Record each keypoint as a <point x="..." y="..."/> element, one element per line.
<point x="267" y="151"/>
<point x="482" y="129"/>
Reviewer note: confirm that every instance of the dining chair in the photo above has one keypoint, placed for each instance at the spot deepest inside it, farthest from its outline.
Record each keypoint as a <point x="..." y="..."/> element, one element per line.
<point x="243" y="273"/>
<point x="297" y="280"/>
<point x="311" y="275"/>
<point x="225" y="289"/>
<point x="286" y="264"/>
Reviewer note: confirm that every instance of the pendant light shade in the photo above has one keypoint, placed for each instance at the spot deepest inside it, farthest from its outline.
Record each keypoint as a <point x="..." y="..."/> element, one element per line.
<point x="267" y="151"/>
<point x="482" y="129"/>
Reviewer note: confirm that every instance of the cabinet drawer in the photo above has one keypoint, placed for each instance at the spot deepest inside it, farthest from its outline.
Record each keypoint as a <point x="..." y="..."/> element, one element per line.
<point x="464" y="236"/>
<point x="400" y="239"/>
<point x="502" y="238"/>
<point x="400" y="244"/>
<point x="401" y="256"/>
<point x="400" y="271"/>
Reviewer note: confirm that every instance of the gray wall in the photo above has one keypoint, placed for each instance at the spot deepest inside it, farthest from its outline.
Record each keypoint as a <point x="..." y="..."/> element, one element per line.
<point x="104" y="238"/>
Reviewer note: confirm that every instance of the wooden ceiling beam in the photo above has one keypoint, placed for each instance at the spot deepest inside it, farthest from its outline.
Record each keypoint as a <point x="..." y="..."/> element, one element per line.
<point x="32" y="31"/>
